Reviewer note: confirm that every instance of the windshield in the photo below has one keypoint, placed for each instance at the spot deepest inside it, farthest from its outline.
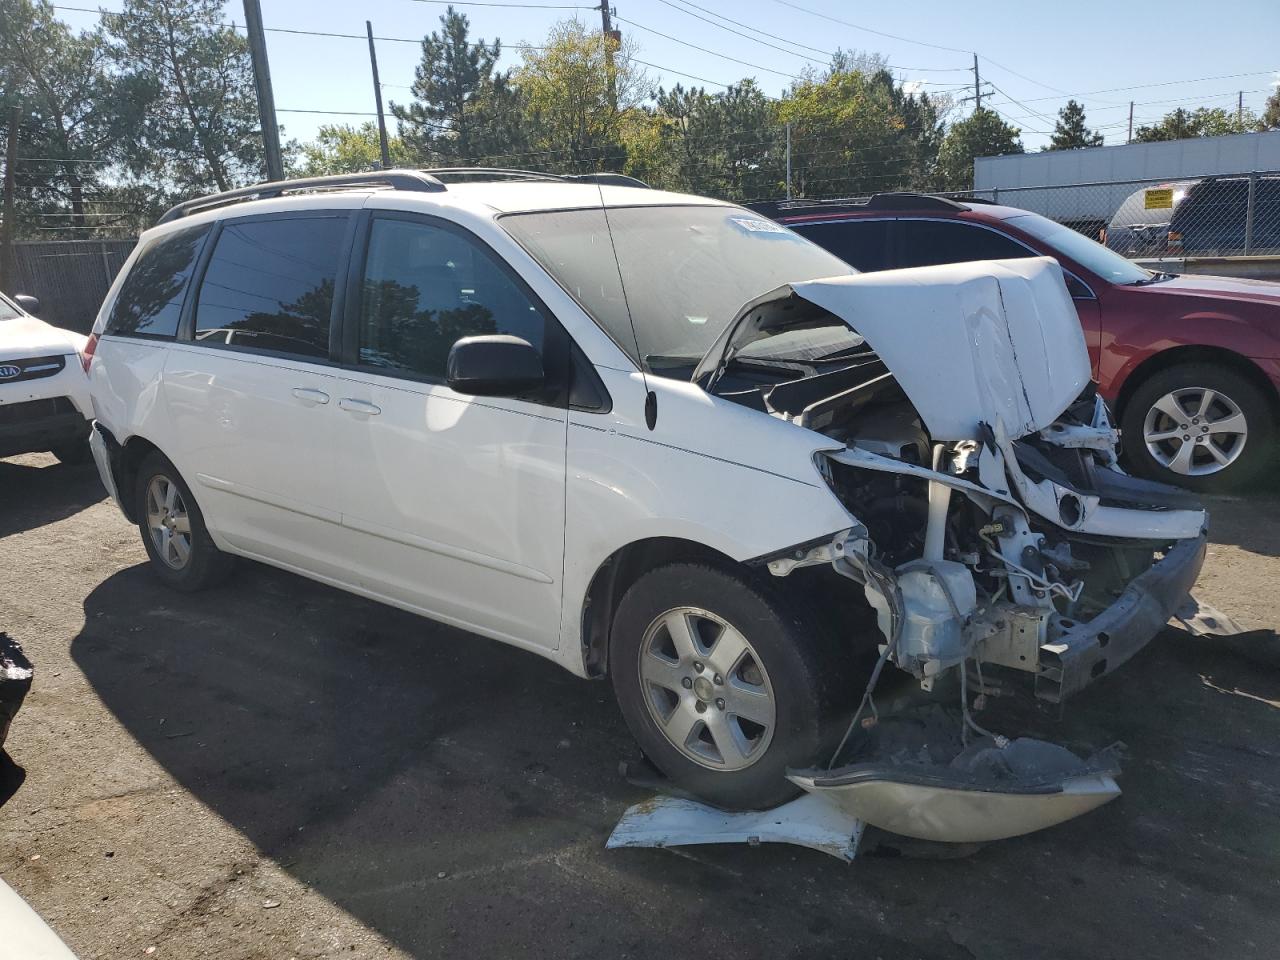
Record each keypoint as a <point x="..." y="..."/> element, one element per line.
<point x="687" y="270"/>
<point x="1076" y="246"/>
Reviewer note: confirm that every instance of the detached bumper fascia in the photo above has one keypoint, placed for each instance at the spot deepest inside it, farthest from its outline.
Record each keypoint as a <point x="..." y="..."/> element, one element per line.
<point x="1084" y="652"/>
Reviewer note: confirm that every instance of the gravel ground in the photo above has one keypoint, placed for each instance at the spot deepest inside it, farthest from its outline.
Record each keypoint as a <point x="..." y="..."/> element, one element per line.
<point x="275" y="769"/>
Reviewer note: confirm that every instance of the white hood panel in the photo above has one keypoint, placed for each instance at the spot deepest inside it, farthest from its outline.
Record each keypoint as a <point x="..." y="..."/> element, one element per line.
<point x="25" y="336"/>
<point x="969" y="343"/>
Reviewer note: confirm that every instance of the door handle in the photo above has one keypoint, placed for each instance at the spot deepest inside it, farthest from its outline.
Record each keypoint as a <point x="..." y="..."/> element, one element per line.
<point x="359" y="406"/>
<point x="308" y="395"/>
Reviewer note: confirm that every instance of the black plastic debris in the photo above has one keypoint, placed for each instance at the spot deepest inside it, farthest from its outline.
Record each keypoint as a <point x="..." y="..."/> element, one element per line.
<point x="15" y="680"/>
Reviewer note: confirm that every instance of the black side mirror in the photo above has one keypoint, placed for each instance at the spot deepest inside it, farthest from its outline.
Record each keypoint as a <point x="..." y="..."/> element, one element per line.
<point x="27" y="303"/>
<point x="497" y="365"/>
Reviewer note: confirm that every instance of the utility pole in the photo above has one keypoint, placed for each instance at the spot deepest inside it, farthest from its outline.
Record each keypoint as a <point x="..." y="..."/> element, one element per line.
<point x="1240" y="110"/>
<point x="609" y="34"/>
<point x="10" y="160"/>
<point x="262" y="78"/>
<point x="377" y="98"/>
<point x="977" y="84"/>
<point x="1130" y="140"/>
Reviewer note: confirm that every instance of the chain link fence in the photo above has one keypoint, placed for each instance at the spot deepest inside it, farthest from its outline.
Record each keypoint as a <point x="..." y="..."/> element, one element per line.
<point x="1235" y="215"/>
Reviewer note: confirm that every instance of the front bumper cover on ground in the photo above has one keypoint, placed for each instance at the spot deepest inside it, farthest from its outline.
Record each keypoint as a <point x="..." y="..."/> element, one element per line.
<point x="1083" y="652"/>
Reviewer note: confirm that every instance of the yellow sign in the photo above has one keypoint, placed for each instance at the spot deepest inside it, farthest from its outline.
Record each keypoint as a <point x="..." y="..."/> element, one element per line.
<point x="1159" y="199"/>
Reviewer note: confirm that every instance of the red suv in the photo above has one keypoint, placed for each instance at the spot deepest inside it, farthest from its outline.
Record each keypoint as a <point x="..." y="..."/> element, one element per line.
<point x="1190" y="364"/>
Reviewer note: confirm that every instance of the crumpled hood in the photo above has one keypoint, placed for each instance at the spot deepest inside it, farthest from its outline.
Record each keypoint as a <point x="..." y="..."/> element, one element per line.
<point x="22" y="337"/>
<point x="969" y="343"/>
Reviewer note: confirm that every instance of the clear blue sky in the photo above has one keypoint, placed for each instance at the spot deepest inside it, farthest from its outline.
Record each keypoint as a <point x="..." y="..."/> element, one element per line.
<point x="1033" y="52"/>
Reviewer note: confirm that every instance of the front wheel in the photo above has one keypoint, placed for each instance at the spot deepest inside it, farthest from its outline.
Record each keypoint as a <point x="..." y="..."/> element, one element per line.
<point x="723" y="686"/>
<point x="1199" y="426"/>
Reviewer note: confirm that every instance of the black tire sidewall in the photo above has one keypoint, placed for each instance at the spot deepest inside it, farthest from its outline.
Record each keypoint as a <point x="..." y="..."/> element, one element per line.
<point x="790" y="654"/>
<point x="208" y="564"/>
<point x="1258" y="412"/>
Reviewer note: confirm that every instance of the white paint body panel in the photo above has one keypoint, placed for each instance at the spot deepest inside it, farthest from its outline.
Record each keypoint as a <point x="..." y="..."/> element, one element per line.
<point x="24" y="337"/>
<point x="23" y="935"/>
<point x="969" y="342"/>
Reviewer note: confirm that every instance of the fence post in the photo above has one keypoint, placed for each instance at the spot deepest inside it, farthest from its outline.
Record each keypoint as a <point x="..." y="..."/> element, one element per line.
<point x="995" y="195"/>
<point x="106" y="265"/>
<point x="1248" y="213"/>
<point x="788" y="161"/>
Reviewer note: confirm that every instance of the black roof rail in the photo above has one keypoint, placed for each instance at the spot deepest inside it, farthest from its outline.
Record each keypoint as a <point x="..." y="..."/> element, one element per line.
<point x="608" y="179"/>
<point x="878" y="201"/>
<point x="417" y="180"/>
<point x="906" y="200"/>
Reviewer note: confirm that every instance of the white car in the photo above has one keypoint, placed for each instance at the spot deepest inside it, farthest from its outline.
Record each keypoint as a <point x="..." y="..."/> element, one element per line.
<point x="645" y="435"/>
<point x="44" y="392"/>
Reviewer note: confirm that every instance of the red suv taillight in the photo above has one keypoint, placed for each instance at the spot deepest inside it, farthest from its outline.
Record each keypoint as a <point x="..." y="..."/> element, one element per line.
<point x="86" y="358"/>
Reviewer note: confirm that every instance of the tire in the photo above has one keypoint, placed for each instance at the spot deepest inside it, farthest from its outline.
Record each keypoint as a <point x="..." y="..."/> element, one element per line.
<point x="73" y="454"/>
<point x="1148" y="416"/>
<point x="792" y="664"/>
<point x="201" y="564"/>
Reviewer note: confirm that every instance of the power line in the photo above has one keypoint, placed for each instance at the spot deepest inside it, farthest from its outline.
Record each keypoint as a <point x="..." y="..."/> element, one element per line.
<point x="739" y="33"/>
<point x="694" y="46"/>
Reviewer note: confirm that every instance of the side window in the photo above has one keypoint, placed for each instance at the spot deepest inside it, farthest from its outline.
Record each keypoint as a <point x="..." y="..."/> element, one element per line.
<point x="150" y="300"/>
<point x="863" y="244"/>
<point x="425" y="286"/>
<point x="924" y="243"/>
<point x="269" y="285"/>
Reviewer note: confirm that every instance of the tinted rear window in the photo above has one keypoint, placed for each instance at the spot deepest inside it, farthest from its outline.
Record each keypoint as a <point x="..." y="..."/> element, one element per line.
<point x="863" y="244"/>
<point x="269" y="285"/>
<point x="150" y="299"/>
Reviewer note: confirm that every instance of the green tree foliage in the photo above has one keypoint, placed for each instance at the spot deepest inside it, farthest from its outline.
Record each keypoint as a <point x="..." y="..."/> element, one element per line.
<point x="465" y="110"/>
<point x="67" y="99"/>
<point x="580" y="90"/>
<point x="982" y="134"/>
<point x="1270" y="119"/>
<point x="1202" y="122"/>
<point x="189" y="115"/>
<point x="856" y="130"/>
<point x="1070" y="133"/>
<point x="341" y="148"/>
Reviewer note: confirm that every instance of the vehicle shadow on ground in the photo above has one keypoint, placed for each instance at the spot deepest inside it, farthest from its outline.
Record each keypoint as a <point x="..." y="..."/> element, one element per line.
<point x="36" y="490"/>
<point x="455" y="794"/>
<point x="1249" y="522"/>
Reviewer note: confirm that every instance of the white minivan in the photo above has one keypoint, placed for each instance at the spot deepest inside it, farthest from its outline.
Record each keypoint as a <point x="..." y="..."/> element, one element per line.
<point x="645" y="435"/>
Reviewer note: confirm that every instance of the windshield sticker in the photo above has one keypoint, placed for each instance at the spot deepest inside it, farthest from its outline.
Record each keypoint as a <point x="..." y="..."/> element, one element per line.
<point x="758" y="226"/>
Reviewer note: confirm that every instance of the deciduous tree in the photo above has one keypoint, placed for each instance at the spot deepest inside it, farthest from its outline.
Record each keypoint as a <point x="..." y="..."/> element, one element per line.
<point x="982" y="134"/>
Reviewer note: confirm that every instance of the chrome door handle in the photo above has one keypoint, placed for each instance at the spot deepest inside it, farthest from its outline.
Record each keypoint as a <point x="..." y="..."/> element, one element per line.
<point x="359" y="406"/>
<point x="307" y="395"/>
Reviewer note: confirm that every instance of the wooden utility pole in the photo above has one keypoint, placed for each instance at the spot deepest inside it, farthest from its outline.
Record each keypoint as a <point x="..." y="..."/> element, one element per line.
<point x="608" y="36"/>
<point x="10" y="185"/>
<point x="977" y="85"/>
<point x="262" y="78"/>
<point x="1130" y="139"/>
<point x="1240" y="110"/>
<point x="383" y="146"/>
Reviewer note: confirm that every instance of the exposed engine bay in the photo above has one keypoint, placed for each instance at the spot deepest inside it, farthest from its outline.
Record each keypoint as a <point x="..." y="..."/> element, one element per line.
<point x="995" y="535"/>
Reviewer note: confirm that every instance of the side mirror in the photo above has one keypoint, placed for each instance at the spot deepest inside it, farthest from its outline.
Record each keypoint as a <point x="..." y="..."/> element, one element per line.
<point x="27" y="303"/>
<point x="496" y="365"/>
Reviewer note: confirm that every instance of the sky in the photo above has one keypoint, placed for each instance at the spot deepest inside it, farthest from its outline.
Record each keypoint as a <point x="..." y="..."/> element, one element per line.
<point x="1032" y="55"/>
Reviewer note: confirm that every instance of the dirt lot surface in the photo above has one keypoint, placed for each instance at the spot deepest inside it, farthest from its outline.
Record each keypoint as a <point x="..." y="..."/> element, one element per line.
<point x="276" y="769"/>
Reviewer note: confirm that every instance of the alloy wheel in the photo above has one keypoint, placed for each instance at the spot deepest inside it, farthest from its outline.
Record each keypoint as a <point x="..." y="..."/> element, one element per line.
<point x="168" y="522"/>
<point x="706" y="689"/>
<point x="1195" y="431"/>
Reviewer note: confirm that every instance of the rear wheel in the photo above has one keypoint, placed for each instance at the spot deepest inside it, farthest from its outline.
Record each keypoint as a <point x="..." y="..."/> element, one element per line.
<point x="722" y="684"/>
<point x="182" y="553"/>
<point x="1200" y="426"/>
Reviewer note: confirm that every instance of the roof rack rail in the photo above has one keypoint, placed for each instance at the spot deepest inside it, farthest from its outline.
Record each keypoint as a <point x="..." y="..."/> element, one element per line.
<point x="445" y="174"/>
<point x="416" y="180"/>
<point x="906" y="200"/>
<point x="878" y="201"/>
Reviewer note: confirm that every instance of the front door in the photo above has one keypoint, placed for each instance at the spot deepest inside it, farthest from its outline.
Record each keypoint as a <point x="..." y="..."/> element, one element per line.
<point x="452" y="504"/>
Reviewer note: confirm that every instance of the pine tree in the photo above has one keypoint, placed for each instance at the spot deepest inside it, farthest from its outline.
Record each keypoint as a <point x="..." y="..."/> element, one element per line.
<point x="1070" y="133"/>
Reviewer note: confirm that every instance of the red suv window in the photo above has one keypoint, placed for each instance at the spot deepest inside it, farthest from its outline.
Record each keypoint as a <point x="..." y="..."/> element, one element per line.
<point x="924" y="243"/>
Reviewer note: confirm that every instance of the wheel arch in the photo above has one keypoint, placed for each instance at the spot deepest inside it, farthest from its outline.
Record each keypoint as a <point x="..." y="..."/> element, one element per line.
<point x="1176" y="356"/>
<point x="132" y="452"/>
<point x="616" y="574"/>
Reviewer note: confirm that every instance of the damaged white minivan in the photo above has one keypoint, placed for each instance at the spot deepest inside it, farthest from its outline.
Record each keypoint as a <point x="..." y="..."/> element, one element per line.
<point x="653" y="437"/>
